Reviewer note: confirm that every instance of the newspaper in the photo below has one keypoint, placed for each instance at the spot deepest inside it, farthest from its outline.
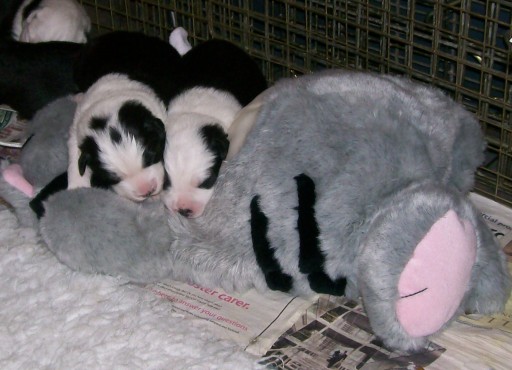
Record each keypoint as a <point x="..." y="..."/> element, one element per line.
<point x="12" y="128"/>
<point x="253" y="320"/>
<point x="328" y="332"/>
<point x="499" y="220"/>
<point x="335" y="333"/>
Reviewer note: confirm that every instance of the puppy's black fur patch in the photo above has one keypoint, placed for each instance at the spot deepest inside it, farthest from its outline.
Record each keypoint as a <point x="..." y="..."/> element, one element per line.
<point x="98" y="123"/>
<point x="59" y="183"/>
<point x="274" y="276"/>
<point x="115" y="135"/>
<point x="90" y="157"/>
<point x="33" y="75"/>
<point x="223" y="66"/>
<point x="217" y="143"/>
<point x="142" y="58"/>
<point x="140" y="123"/>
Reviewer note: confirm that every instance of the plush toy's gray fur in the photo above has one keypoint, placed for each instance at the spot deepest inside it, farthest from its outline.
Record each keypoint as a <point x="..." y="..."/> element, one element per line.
<point x="45" y="155"/>
<point x="387" y="157"/>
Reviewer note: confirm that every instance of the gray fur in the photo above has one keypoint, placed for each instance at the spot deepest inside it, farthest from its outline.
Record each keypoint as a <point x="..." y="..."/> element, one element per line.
<point x="388" y="158"/>
<point x="45" y="155"/>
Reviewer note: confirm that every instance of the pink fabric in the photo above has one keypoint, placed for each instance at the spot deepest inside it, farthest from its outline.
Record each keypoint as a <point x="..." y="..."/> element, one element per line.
<point x="436" y="278"/>
<point x="13" y="174"/>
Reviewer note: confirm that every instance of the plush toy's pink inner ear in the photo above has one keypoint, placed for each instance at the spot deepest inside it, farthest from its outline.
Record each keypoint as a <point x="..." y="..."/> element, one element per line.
<point x="436" y="278"/>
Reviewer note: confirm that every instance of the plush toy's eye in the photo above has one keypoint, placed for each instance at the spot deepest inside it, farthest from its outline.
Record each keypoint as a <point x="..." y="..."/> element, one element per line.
<point x="415" y="293"/>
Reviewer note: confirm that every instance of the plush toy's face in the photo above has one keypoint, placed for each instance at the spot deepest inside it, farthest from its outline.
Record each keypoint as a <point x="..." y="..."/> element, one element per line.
<point x="193" y="156"/>
<point x="125" y="152"/>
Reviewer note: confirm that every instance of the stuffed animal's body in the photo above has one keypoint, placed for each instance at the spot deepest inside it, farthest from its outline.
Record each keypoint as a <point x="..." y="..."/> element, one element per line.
<point x="348" y="183"/>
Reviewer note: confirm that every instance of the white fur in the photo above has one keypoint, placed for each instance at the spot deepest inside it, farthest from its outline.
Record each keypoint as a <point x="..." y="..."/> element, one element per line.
<point x="178" y="40"/>
<point x="186" y="158"/>
<point x="104" y="99"/>
<point x="53" y="20"/>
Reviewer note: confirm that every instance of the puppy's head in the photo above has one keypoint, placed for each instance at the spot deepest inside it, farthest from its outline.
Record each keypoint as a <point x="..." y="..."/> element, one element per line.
<point x="193" y="157"/>
<point x="124" y="152"/>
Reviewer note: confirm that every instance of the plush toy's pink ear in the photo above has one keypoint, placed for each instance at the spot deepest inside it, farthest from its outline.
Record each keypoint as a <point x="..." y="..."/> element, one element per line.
<point x="13" y="175"/>
<point x="434" y="281"/>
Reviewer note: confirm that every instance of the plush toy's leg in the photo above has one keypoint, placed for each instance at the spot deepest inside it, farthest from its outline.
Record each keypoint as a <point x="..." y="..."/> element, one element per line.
<point x="13" y="174"/>
<point x="434" y="281"/>
<point x="178" y="39"/>
<point x="491" y="282"/>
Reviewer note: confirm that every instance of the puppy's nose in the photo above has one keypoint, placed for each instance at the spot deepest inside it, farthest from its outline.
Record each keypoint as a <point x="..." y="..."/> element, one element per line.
<point x="185" y="212"/>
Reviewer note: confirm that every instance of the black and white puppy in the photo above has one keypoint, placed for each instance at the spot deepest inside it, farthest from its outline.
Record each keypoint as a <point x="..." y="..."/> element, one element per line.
<point x="117" y="138"/>
<point x="197" y="144"/>
<point x="220" y="79"/>
<point x="50" y="20"/>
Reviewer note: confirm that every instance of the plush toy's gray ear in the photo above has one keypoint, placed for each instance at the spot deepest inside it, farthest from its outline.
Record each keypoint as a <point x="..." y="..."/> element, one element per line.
<point x="422" y="263"/>
<point x="96" y="231"/>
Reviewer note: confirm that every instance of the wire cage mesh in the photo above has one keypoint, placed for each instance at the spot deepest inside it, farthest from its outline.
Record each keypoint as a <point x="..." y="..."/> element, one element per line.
<point x="463" y="47"/>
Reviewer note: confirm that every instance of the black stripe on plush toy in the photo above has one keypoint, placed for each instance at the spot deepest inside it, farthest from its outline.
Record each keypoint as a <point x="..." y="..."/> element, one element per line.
<point x="275" y="277"/>
<point x="310" y="255"/>
<point x="311" y="258"/>
<point x="57" y="184"/>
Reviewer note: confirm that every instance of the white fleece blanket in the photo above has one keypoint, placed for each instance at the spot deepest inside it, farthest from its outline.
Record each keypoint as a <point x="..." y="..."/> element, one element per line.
<point x="53" y="318"/>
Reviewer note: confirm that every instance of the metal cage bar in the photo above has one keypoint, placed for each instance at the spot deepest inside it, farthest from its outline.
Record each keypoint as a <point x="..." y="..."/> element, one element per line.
<point x="463" y="47"/>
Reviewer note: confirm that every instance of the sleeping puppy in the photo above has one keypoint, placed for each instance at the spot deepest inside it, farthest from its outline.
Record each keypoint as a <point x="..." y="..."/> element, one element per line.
<point x="117" y="139"/>
<point x="50" y="20"/>
<point x="197" y="144"/>
<point x="219" y="79"/>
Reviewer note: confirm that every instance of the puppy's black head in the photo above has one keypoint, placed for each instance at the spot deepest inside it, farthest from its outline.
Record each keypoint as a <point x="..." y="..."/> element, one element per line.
<point x="148" y="130"/>
<point x="216" y="142"/>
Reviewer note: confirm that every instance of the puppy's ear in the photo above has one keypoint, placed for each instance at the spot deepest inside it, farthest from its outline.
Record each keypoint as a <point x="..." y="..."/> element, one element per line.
<point x="88" y="152"/>
<point x="82" y="163"/>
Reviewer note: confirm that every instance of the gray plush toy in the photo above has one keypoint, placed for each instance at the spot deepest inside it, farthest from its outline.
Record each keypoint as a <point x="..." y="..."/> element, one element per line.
<point x="348" y="183"/>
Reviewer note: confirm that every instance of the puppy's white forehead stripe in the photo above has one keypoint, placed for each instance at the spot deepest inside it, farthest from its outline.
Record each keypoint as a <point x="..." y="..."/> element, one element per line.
<point x="123" y="158"/>
<point x="187" y="161"/>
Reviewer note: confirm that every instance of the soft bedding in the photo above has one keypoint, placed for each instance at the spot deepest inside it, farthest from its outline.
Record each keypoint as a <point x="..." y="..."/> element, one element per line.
<point x="54" y="318"/>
